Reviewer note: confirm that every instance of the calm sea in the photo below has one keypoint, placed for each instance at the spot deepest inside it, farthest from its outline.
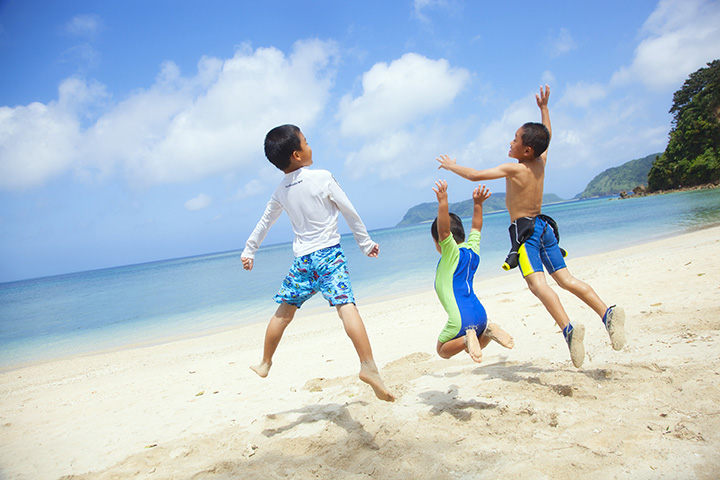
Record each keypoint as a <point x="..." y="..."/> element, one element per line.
<point x="79" y="313"/>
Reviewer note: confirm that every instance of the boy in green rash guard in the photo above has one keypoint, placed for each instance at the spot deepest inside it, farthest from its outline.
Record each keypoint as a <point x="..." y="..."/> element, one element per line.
<point x="467" y="327"/>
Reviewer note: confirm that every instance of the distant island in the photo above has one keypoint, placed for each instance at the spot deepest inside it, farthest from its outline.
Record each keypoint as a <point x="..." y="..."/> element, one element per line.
<point x="426" y="212"/>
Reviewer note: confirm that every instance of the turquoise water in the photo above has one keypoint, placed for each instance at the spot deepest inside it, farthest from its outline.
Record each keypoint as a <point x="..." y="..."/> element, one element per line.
<point x="84" y="312"/>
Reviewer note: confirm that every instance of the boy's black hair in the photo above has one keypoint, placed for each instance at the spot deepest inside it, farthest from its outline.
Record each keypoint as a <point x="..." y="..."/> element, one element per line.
<point x="536" y="136"/>
<point x="280" y="143"/>
<point x="456" y="229"/>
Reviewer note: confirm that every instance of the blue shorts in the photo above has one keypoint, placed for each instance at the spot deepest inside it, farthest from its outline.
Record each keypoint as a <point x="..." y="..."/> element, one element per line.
<point x="540" y="249"/>
<point x="323" y="271"/>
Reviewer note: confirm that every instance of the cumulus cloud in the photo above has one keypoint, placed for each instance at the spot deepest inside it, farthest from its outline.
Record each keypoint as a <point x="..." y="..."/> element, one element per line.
<point x="582" y="94"/>
<point x="494" y="138"/>
<point x="200" y="202"/>
<point x="83" y="25"/>
<point x="251" y="189"/>
<point x="386" y="156"/>
<point x="181" y="128"/>
<point x="679" y="37"/>
<point x="560" y="43"/>
<point x="421" y="6"/>
<point x="399" y="93"/>
<point x="40" y="141"/>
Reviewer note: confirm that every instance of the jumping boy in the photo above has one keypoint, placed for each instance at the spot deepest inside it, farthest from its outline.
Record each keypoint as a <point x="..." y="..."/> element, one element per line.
<point x="467" y="327"/>
<point x="312" y="200"/>
<point x="524" y="182"/>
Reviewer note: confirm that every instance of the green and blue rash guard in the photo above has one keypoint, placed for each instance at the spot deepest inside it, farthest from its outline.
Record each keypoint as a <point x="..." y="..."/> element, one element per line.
<point x="454" y="286"/>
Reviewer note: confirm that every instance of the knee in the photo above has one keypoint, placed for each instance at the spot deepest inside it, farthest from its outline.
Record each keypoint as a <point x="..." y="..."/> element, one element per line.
<point x="285" y="319"/>
<point x="571" y="284"/>
<point x="441" y="353"/>
<point x="536" y="286"/>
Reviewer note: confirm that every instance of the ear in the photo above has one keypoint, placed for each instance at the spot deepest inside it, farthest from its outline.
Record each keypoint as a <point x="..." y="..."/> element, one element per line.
<point x="295" y="156"/>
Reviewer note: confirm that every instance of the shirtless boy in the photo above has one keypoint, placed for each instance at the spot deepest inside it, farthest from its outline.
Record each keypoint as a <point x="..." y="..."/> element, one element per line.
<point x="524" y="181"/>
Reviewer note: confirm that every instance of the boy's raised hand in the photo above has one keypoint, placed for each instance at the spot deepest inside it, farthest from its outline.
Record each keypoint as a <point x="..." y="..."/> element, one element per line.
<point x="480" y="194"/>
<point x="446" y="162"/>
<point x="542" y="99"/>
<point x="441" y="190"/>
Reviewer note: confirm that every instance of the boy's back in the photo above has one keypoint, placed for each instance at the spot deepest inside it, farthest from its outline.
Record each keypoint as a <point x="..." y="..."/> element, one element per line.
<point x="312" y="200"/>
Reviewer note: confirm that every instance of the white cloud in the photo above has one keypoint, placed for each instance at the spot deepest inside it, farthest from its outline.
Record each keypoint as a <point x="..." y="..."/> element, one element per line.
<point x="251" y="189"/>
<point x="200" y="202"/>
<point x="560" y="43"/>
<point x="420" y="6"/>
<point x="405" y="153"/>
<point x="494" y="138"/>
<point x="40" y="141"/>
<point x="83" y="25"/>
<point x="402" y="92"/>
<point x="548" y="77"/>
<point x="680" y="37"/>
<point x="179" y="129"/>
<point x="385" y="156"/>
<point x="583" y="94"/>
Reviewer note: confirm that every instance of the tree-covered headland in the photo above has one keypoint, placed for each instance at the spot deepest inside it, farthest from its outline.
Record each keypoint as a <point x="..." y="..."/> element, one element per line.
<point x="692" y="156"/>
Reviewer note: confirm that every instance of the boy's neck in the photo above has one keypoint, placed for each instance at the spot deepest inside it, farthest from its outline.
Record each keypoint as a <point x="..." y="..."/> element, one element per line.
<point x="294" y="168"/>
<point x="527" y="159"/>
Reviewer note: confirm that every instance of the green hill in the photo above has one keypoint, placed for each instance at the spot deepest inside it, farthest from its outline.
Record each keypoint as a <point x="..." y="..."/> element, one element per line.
<point x="616" y="179"/>
<point x="426" y="212"/>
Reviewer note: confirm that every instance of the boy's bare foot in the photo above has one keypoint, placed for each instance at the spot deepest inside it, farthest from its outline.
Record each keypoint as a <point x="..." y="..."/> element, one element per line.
<point x="262" y="369"/>
<point x="473" y="345"/>
<point x="369" y="374"/>
<point x="497" y="334"/>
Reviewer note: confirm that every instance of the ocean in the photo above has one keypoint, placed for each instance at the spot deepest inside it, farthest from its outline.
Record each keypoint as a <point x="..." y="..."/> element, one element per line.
<point x="85" y="312"/>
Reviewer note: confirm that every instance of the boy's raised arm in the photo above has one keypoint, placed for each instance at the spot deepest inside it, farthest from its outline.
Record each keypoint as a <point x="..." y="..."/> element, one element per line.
<point x="542" y="102"/>
<point x="480" y="194"/>
<point x="443" y="219"/>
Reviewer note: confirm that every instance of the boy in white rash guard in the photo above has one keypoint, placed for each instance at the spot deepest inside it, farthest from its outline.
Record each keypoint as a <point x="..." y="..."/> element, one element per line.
<point x="312" y="200"/>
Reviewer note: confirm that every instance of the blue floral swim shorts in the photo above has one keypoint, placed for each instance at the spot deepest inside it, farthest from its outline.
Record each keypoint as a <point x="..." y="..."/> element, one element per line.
<point x="323" y="271"/>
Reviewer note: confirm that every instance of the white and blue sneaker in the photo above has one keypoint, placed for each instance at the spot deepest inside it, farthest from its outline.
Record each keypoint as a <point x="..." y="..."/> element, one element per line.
<point x="614" y="320"/>
<point x="574" y="336"/>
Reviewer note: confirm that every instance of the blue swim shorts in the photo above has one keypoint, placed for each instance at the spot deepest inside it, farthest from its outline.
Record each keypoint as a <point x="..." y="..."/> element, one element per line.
<point x="323" y="271"/>
<point x="540" y="249"/>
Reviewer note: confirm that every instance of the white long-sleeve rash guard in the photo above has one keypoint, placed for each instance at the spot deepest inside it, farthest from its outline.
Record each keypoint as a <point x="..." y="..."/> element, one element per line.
<point x="312" y="200"/>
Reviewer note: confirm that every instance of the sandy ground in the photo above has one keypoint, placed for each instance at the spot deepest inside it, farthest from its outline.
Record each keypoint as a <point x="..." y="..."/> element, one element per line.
<point x="192" y="409"/>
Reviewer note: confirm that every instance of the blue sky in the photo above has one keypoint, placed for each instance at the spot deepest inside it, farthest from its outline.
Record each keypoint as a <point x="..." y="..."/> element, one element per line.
<point x="132" y="131"/>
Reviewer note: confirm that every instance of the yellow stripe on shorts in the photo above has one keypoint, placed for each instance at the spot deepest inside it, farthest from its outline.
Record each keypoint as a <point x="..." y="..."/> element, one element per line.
<point x="524" y="262"/>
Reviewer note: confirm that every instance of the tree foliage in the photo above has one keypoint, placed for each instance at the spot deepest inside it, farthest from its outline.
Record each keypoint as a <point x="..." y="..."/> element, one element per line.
<point x="692" y="156"/>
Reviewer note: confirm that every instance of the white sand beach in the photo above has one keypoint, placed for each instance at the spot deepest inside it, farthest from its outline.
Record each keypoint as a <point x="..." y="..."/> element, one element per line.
<point x="192" y="409"/>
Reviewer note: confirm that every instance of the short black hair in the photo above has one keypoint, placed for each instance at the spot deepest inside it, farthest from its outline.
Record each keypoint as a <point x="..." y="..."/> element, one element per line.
<point x="536" y="136"/>
<point x="456" y="229"/>
<point x="280" y="143"/>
